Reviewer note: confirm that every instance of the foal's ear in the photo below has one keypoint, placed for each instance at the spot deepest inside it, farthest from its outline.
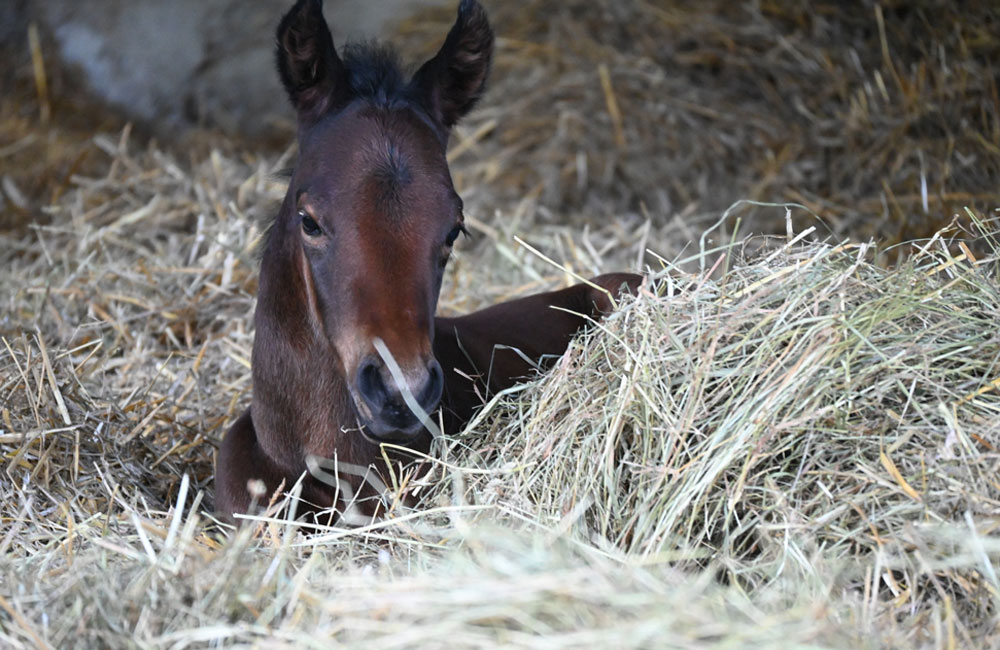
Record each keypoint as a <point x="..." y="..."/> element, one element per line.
<point x="453" y="81"/>
<point x="310" y="69"/>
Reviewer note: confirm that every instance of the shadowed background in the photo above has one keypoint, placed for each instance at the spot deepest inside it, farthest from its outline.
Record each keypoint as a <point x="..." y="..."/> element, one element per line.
<point x="881" y="118"/>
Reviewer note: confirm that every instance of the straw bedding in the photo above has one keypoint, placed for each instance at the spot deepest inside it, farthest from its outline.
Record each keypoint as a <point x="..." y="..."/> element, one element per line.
<point x="802" y="429"/>
<point x="779" y="443"/>
<point x="883" y="118"/>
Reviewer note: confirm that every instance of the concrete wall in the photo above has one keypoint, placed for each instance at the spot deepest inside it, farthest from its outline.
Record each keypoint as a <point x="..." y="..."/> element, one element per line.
<point x="173" y="63"/>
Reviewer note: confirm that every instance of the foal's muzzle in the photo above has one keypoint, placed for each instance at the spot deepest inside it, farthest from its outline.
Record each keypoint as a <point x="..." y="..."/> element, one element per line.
<point x="391" y="418"/>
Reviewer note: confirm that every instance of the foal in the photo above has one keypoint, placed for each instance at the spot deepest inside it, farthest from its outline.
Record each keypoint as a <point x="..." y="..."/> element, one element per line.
<point x="352" y="267"/>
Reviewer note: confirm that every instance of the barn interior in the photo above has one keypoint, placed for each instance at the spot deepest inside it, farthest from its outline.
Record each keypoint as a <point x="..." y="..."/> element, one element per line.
<point x="789" y="439"/>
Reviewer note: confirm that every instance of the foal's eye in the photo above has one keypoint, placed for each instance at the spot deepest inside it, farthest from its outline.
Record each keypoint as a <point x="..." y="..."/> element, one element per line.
<point x="309" y="225"/>
<point x="454" y="233"/>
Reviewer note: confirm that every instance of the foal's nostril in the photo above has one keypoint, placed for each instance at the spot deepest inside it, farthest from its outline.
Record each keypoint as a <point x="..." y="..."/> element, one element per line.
<point x="431" y="394"/>
<point x="370" y="383"/>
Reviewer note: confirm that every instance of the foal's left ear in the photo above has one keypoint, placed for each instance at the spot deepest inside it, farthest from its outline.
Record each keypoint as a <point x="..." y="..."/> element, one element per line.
<point x="310" y="69"/>
<point x="452" y="82"/>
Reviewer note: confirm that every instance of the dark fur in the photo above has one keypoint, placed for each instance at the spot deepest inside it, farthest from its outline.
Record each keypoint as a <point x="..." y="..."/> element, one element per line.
<point x="375" y="73"/>
<point x="373" y="177"/>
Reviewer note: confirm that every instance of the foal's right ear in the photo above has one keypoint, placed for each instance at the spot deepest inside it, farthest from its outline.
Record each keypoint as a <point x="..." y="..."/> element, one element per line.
<point x="310" y="69"/>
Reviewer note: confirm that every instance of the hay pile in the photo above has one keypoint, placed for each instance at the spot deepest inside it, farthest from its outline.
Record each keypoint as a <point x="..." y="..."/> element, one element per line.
<point x="798" y="449"/>
<point x="807" y="407"/>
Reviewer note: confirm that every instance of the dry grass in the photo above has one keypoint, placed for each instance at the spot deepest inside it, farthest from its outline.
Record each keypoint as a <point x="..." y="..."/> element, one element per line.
<point x="778" y="444"/>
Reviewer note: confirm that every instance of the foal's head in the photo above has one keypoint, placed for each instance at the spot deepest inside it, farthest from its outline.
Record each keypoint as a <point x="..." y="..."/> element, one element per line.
<point x="371" y="213"/>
